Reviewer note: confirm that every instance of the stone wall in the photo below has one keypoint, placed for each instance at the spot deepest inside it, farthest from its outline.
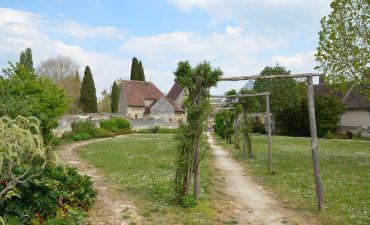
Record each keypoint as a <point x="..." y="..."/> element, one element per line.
<point x="137" y="124"/>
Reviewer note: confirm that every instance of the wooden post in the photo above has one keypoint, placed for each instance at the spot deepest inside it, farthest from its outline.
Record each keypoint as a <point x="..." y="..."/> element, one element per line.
<point x="244" y="130"/>
<point x="269" y="133"/>
<point x="315" y="154"/>
<point x="236" y="130"/>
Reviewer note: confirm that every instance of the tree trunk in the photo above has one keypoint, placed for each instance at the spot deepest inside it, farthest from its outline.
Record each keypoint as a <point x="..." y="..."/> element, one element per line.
<point x="249" y="145"/>
<point x="315" y="153"/>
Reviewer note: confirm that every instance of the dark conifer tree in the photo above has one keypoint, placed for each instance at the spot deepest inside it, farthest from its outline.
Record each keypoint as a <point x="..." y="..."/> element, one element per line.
<point x="88" y="101"/>
<point x="135" y="71"/>
<point x="114" y="97"/>
<point x="141" y="71"/>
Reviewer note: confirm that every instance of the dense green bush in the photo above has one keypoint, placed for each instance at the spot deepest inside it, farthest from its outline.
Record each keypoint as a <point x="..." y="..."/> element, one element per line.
<point x="103" y="133"/>
<point x="159" y="130"/>
<point x="116" y="125"/>
<point x="59" y="196"/>
<point x="83" y="127"/>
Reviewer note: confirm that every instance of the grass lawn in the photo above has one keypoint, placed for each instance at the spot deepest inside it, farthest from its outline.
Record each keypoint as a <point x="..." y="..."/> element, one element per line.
<point x="345" y="174"/>
<point x="144" y="165"/>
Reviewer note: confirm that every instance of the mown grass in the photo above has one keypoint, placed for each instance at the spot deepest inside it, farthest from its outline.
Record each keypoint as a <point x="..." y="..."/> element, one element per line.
<point x="345" y="173"/>
<point x="144" y="165"/>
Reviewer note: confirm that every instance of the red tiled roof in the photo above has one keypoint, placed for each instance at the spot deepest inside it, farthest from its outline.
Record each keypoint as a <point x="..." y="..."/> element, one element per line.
<point x="138" y="91"/>
<point x="174" y="92"/>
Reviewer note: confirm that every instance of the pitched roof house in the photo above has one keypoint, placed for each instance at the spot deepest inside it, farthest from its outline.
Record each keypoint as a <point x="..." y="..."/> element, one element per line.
<point x="176" y="94"/>
<point x="357" y="106"/>
<point x="140" y="99"/>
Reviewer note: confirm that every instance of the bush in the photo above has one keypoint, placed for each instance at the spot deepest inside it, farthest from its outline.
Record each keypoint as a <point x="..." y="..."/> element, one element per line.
<point x="81" y="136"/>
<point x="103" y="133"/>
<point x="60" y="192"/>
<point x="83" y="127"/>
<point x="155" y="129"/>
<point x="188" y="201"/>
<point x="116" y="125"/>
<point x="258" y="126"/>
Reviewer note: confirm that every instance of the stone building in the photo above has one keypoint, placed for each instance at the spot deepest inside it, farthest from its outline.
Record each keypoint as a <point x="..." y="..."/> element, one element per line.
<point x="142" y="99"/>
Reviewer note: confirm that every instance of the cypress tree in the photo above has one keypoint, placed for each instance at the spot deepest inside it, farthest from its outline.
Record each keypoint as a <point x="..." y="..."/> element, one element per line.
<point x="141" y="71"/>
<point x="135" y="71"/>
<point x="114" y="97"/>
<point x="88" y="101"/>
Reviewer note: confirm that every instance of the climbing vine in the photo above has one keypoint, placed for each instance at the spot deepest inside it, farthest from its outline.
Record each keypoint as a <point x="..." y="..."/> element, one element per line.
<point x="191" y="146"/>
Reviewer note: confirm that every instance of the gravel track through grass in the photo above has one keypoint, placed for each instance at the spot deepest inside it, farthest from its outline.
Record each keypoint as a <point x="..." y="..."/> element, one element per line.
<point x="252" y="204"/>
<point x="110" y="206"/>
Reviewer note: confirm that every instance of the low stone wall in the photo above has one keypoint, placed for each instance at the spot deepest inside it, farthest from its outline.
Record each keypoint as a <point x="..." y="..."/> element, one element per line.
<point x="136" y="124"/>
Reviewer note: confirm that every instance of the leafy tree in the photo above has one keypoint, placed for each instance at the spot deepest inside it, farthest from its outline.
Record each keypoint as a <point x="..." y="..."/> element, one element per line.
<point x="104" y="105"/>
<point x="135" y="70"/>
<point x="114" y="97"/>
<point x="198" y="81"/>
<point x="25" y="59"/>
<point x="141" y="71"/>
<point x="284" y="93"/>
<point x="23" y="93"/>
<point x="88" y="101"/>
<point x="249" y="105"/>
<point x="343" y="53"/>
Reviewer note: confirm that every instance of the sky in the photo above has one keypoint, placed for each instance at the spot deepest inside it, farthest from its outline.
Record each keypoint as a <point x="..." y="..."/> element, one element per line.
<point x="240" y="37"/>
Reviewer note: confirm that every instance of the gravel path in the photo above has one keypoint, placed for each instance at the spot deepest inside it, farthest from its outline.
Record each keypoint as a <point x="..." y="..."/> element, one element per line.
<point x="111" y="207"/>
<point x="252" y="204"/>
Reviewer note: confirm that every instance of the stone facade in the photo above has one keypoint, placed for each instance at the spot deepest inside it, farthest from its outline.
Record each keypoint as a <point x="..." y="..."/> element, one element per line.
<point x="162" y="109"/>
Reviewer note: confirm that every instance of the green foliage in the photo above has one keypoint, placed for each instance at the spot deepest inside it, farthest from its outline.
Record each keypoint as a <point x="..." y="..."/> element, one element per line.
<point x="21" y="150"/>
<point x="343" y="53"/>
<point x="114" y="97"/>
<point x="81" y="136"/>
<point x="116" y="125"/>
<point x="224" y="124"/>
<point x="83" y="127"/>
<point x="103" y="133"/>
<point x="60" y="195"/>
<point x="159" y="130"/>
<point x="26" y="61"/>
<point x="141" y="71"/>
<point x="197" y="81"/>
<point x="188" y="201"/>
<point x="135" y="73"/>
<point x="23" y="93"/>
<point x="88" y="100"/>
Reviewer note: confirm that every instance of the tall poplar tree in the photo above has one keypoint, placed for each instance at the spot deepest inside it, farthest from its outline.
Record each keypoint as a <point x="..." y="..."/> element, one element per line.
<point x="88" y="101"/>
<point x="135" y="71"/>
<point x="114" y="97"/>
<point x="25" y="59"/>
<point x="141" y="71"/>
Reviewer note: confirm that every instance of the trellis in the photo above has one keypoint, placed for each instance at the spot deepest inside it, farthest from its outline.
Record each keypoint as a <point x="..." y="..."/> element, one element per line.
<point x="311" y="111"/>
<point x="268" y="123"/>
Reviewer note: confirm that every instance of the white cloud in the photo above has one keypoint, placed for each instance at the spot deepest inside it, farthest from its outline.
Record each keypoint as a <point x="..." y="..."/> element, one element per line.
<point x="79" y="31"/>
<point x="299" y="62"/>
<point x="20" y="29"/>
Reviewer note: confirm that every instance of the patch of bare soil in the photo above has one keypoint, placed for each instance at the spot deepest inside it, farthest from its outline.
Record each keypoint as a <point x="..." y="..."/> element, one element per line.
<point x="251" y="203"/>
<point x="111" y="206"/>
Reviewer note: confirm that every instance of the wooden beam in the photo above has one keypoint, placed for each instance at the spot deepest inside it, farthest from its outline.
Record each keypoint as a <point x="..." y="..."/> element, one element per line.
<point x="269" y="144"/>
<point x="314" y="151"/>
<point x="240" y="96"/>
<point x="224" y="108"/>
<point x="279" y="76"/>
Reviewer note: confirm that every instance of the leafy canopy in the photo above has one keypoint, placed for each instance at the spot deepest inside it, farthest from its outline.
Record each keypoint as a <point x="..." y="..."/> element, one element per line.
<point x="343" y="53"/>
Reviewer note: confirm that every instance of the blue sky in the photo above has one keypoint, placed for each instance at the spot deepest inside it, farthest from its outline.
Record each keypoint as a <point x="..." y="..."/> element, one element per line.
<point x="239" y="36"/>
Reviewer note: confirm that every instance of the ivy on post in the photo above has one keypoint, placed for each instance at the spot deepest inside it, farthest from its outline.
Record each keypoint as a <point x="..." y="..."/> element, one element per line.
<point x="191" y="148"/>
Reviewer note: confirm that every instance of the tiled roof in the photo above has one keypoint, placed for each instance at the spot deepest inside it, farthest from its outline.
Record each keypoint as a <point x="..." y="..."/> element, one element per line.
<point x="138" y="91"/>
<point x="174" y="92"/>
<point x="356" y="100"/>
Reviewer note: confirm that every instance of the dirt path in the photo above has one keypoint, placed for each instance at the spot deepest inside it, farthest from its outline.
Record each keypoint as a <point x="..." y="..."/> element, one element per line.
<point x="111" y="207"/>
<point x="251" y="203"/>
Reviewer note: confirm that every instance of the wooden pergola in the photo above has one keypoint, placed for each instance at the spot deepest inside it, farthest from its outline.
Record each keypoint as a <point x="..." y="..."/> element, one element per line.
<point x="311" y="111"/>
<point x="268" y="123"/>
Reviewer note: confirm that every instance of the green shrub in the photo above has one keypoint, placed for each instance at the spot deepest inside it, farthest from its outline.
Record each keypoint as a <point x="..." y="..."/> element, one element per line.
<point x="60" y="192"/>
<point x="167" y="130"/>
<point x="116" y="125"/>
<point x="81" y="136"/>
<point x="83" y="127"/>
<point x="103" y="133"/>
<point x="188" y="201"/>
<point x="155" y="129"/>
